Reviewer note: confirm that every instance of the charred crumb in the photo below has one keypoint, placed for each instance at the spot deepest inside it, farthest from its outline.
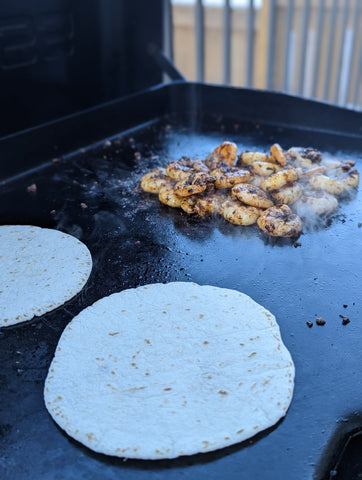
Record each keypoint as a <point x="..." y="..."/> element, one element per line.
<point x="320" y="321"/>
<point x="309" y="324"/>
<point x="297" y="244"/>
<point x="32" y="188"/>
<point x="345" y="306"/>
<point x="345" y="320"/>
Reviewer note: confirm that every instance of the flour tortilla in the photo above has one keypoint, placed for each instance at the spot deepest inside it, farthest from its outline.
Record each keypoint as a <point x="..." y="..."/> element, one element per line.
<point x="166" y="370"/>
<point x="40" y="269"/>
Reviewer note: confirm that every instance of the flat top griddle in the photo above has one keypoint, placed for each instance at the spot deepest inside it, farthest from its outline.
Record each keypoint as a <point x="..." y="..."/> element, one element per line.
<point x="92" y="192"/>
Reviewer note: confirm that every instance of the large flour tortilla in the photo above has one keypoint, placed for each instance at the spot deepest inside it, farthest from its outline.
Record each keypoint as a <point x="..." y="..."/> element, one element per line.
<point x="167" y="370"/>
<point x="40" y="269"/>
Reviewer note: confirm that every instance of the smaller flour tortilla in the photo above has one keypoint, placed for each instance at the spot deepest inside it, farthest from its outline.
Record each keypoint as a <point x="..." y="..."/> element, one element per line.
<point x="166" y="370"/>
<point x="40" y="269"/>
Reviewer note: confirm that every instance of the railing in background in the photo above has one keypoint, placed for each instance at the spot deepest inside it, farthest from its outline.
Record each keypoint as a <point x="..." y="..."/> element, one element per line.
<point x="306" y="47"/>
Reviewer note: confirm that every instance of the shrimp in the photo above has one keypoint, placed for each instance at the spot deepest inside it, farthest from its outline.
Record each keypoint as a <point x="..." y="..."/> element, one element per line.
<point x="287" y="194"/>
<point x="313" y="171"/>
<point x="351" y="180"/>
<point x="196" y="183"/>
<point x="227" y="177"/>
<point x="183" y="168"/>
<point x="264" y="169"/>
<point x="235" y="212"/>
<point x="277" y="153"/>
<point x="188" y="204"/>
<point x="305" y="156"/>
<point x="154" y="180"/>
<point x="226" y="152"/>
<point x="316" y="203"/>
<point x="279" y="179"/>
<point x="328" y="184"/>
<point x="168" y="197"/>
<point x="280" y="222"/>
<point x="248" y="158"/>
<point x="209" y="204"/>
<point x="252" y="195"/>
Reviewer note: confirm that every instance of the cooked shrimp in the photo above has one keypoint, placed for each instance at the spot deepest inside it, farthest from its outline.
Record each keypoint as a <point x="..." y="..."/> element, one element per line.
<point x="316" y="203"/>
<point x="279" y="179"/>
<point x="153" y="181"/>
<point x="328" y="184"/>
<point x="313" y="171"/>
<point x="252" y="195"/>
<point x="264" y="169"/>
<point x="227" y="177"/>
<point x="247" y="158"/>
<point x="235" y="212"/>
<point x="209" y="204"/>
<point x="188" y="204"/>
<point x="277" y="153"/>
<point x="280" y="222"/>
<point x="304" y="155"/>
<point x="196" y="183"/>
<point x="287" y="194"/>
<point x="183" y="168"/>
<point x="168" y="196"/>
<point x="226" y="152"/>
<point x="351" y="180"/>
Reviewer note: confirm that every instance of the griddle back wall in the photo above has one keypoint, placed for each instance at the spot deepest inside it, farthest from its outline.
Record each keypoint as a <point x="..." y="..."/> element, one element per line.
<point x="58" y="57"/>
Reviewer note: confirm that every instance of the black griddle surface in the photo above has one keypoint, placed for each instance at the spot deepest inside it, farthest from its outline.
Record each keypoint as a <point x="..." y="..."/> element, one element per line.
<point x="94" y="195"/>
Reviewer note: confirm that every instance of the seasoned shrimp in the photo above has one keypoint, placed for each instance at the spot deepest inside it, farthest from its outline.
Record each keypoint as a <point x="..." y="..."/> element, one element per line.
<point x="168" y="196"/>
<point x="279" y="179"/>
<point x="153" y="181"/>
<point x="226" y="152"/>
<point x="315" y="203"/>
<point x="209" y="204"/>
<point x="196" y="183"/>
<point x="309" y="172"/>
<point x="305" y="156"/>
<point x="328" y="184"/>
<point x="183" y="168"/>
<point x="227" y="177"/>
<point x="280" y="222"/>
<point x="264" y="169"/>
<point x="277" y="153"/>
<point x="252" y="195"/>
<point x="287" y="194"/>
<point x="247" y="158"/>
<point x="235" y="212"/>
<point x="351" y="180"/>
<point x="188" y="204"/>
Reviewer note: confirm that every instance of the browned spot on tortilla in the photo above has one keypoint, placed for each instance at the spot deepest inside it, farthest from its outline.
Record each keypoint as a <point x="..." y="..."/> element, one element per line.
<point x="256" y="427"/>
<point x="240" y="431"/>
<point x="222" y="392"/>
<point x="201" y="315"/>
<point x="114" y="333"/>
<point x="147" y="341"/>
<point x="206" y="342"/>
<point x="252" y="355"/>
<point x="167" y="389"/>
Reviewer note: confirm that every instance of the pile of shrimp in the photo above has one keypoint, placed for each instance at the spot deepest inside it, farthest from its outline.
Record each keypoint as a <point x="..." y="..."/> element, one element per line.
<point x="275" y="190"/>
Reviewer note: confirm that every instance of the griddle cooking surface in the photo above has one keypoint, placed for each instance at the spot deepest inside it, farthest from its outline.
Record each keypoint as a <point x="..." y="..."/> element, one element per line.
<point x="134" y="240"/>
